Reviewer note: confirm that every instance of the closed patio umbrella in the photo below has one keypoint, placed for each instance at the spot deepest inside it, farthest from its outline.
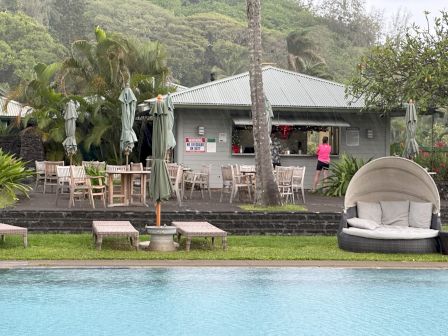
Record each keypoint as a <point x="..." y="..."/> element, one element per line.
<point x="128" y="105"/>
<point x="70" y="116"/>
<point x="269" y="113"/>
<point x="411" y="146"/>
<point x="171" y="140"/>
<point x="160" y="185"/>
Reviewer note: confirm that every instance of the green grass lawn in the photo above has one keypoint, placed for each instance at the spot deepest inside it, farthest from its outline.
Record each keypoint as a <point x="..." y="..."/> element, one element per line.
<point x="80" y="246"/>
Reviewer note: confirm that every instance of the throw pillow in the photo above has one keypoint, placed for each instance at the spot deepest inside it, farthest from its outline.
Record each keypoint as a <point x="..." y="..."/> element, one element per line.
<point x="369" y="210"/>
<point x="420" y="214"/>
<point x="362" y="223"/>
<point x="395" y="213"/>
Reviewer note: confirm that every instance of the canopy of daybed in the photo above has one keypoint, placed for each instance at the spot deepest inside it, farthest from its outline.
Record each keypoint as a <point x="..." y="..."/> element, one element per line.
<point x="392" y="179"/>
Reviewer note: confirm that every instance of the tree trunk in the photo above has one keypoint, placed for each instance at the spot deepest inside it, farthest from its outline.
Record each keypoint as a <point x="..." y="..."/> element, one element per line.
<point x="267" y="190"/>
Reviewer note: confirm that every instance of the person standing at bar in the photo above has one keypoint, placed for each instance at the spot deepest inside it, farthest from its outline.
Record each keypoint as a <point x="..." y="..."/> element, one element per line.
<point x="275" y="151"/>
<point x="323" y="161"/>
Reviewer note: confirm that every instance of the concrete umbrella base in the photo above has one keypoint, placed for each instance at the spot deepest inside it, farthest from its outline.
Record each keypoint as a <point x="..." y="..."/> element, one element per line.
<point x="162" y="238"/>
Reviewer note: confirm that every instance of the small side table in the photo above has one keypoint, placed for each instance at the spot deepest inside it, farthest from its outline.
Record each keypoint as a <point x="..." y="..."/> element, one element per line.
<point x="443" y="240"/>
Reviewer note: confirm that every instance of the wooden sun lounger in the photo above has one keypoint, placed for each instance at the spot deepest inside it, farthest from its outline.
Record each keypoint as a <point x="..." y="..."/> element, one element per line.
<point x="114" y="229"/>
<point x="199" y="229"/>
<point x="6" y="229"/>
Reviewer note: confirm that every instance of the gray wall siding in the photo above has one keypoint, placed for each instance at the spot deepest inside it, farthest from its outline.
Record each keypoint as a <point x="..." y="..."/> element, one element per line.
<point x="368" y="148"/>
<point x="219" y="121"/>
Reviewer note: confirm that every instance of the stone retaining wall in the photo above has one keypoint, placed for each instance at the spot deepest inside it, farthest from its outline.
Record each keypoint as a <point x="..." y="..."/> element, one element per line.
<point x="240" y="223"/>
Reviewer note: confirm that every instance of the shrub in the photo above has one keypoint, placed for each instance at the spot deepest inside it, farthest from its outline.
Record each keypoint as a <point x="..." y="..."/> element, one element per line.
<point x="436" y="161"/>
<point x="12" y="173"/>
<point x="340" y="174"/>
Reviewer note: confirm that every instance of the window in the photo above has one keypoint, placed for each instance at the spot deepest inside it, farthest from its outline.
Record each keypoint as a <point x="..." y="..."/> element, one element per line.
<point x="298" y="140"/>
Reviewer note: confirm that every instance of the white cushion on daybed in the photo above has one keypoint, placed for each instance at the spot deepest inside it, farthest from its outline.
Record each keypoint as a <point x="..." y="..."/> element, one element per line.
<point x="395" y="213"/>
<point x="369" y="210"/>
<point x="420" y="215"/>
<point x="362" y="223"/>
<point x="392" y="232"/>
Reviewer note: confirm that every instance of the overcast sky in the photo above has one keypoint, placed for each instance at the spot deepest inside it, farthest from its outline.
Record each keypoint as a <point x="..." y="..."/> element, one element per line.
<point x="415" y="7"/>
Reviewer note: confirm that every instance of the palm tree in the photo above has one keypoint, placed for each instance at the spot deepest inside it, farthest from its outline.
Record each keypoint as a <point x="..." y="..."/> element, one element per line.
<point x="303" y="56"/>
<point x="267" y="190"/>
<point x="94" y="74"/>
<point x="99" y="70"/>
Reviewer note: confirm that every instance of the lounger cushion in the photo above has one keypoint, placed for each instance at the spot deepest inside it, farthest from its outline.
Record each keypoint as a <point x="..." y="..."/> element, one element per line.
<point x="395" y="213"/>
<point x="362" y="223"/>
<point x="369" y="210"/>
<point x="420" y="215"/>
<point x="392" y="232"/>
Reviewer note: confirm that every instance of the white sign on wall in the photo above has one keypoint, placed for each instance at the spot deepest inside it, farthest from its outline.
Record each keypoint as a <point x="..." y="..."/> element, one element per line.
<point x="195" y="144"/>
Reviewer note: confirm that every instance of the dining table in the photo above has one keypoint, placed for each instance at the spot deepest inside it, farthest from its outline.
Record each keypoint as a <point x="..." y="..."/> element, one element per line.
<point x="126" y="193"/>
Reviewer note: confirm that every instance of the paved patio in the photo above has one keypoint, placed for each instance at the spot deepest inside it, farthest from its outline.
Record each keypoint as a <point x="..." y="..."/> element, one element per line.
<point x="39" y="201"/>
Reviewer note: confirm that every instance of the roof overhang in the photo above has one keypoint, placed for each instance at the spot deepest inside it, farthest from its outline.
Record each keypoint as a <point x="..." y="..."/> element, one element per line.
<point x="298" y="121"/>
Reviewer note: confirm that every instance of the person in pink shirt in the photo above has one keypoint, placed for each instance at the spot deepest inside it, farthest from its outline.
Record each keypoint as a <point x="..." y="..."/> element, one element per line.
<point x="323" y="161"/>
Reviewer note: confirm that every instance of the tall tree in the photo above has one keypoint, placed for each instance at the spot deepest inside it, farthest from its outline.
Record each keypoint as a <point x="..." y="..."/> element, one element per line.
<point x="415" y="67"/>
<point x="267" y="192"/>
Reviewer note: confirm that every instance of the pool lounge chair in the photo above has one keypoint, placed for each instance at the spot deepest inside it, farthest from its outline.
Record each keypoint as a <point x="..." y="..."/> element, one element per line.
<point x="399" y="207"/>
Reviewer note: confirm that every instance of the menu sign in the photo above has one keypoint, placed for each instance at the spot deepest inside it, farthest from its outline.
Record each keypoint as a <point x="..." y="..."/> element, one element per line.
<point x="195" y="144"/>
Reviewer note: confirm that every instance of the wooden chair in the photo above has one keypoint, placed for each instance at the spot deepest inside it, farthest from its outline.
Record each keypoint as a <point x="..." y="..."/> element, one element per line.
<point x="298" y="178"/>
<point x="239" y="182"/>
<point x="40" y="173"/>
<point x="63" y="176"/>
<point x="201" y="179"/>
<point x="80" y="186"/>
<point x="227" y="181"/>
<point x="176" y="172"/>
<point x="115" y="182"/>
<point x="284" y="181"/>
<point x="138" y="187"/>
<point x="51" y="178"/>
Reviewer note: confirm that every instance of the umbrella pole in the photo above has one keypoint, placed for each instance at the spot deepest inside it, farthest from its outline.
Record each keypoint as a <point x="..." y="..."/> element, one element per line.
<point x="158" y="213"/>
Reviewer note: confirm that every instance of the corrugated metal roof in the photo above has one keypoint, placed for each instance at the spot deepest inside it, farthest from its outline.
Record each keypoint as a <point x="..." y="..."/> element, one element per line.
<point x="12" y="108"/>
<point x="283" y="88"/>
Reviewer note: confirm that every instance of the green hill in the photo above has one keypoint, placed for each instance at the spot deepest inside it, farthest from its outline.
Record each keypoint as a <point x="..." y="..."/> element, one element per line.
<point x="204" y="36"/>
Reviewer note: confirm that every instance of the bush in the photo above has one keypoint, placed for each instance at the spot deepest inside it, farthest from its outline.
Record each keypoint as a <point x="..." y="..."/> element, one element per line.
<point x="340" y="174"/>
<point x="436" y="161"/>
<point x="12" y="173"/>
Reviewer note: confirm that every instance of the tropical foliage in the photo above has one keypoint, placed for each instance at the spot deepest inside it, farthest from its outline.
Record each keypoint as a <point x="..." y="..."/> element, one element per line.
<point x="340" y="174"/>
<point x="23" y="43"/>
<point x="94" y="75"/>
<point x="12" y="174"/>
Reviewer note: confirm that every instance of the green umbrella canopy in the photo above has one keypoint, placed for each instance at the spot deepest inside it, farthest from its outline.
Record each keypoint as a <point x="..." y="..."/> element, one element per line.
<point x="70" y="116"/>
<point x="411" y="145"/>
<point x="160" y="185"/>
<point x="128" y="104"/>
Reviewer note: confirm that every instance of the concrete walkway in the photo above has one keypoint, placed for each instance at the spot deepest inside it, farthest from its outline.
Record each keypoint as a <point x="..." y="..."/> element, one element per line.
<point x="218" y="263"/>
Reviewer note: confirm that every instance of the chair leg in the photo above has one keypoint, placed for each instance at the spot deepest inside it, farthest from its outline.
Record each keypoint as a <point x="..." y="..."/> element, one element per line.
<point x="220" y="196"/>
<point x="192" y="188"/>
<point x="303" y="195"/>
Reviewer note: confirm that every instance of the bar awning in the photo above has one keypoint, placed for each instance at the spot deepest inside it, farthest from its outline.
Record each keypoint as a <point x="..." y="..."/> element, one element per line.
<point x="298" y="121"/>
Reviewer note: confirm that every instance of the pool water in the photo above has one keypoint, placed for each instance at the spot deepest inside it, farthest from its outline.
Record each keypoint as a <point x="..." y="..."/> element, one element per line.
<point x="223" y="301"/>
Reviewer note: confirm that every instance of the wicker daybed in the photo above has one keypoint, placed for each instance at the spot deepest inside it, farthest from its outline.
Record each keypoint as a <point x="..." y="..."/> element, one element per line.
<point x="391" y="180"/>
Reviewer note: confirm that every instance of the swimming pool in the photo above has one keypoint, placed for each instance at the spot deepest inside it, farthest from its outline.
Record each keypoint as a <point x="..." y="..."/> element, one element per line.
<point x="223" y="301"/>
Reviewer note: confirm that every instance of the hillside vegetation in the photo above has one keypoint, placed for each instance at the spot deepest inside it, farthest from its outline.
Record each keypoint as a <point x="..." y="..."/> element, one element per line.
<point x="209" y="36"/>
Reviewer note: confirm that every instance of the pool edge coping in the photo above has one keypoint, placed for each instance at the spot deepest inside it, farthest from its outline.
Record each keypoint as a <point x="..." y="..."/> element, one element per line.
<point x="17" y="264"/>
